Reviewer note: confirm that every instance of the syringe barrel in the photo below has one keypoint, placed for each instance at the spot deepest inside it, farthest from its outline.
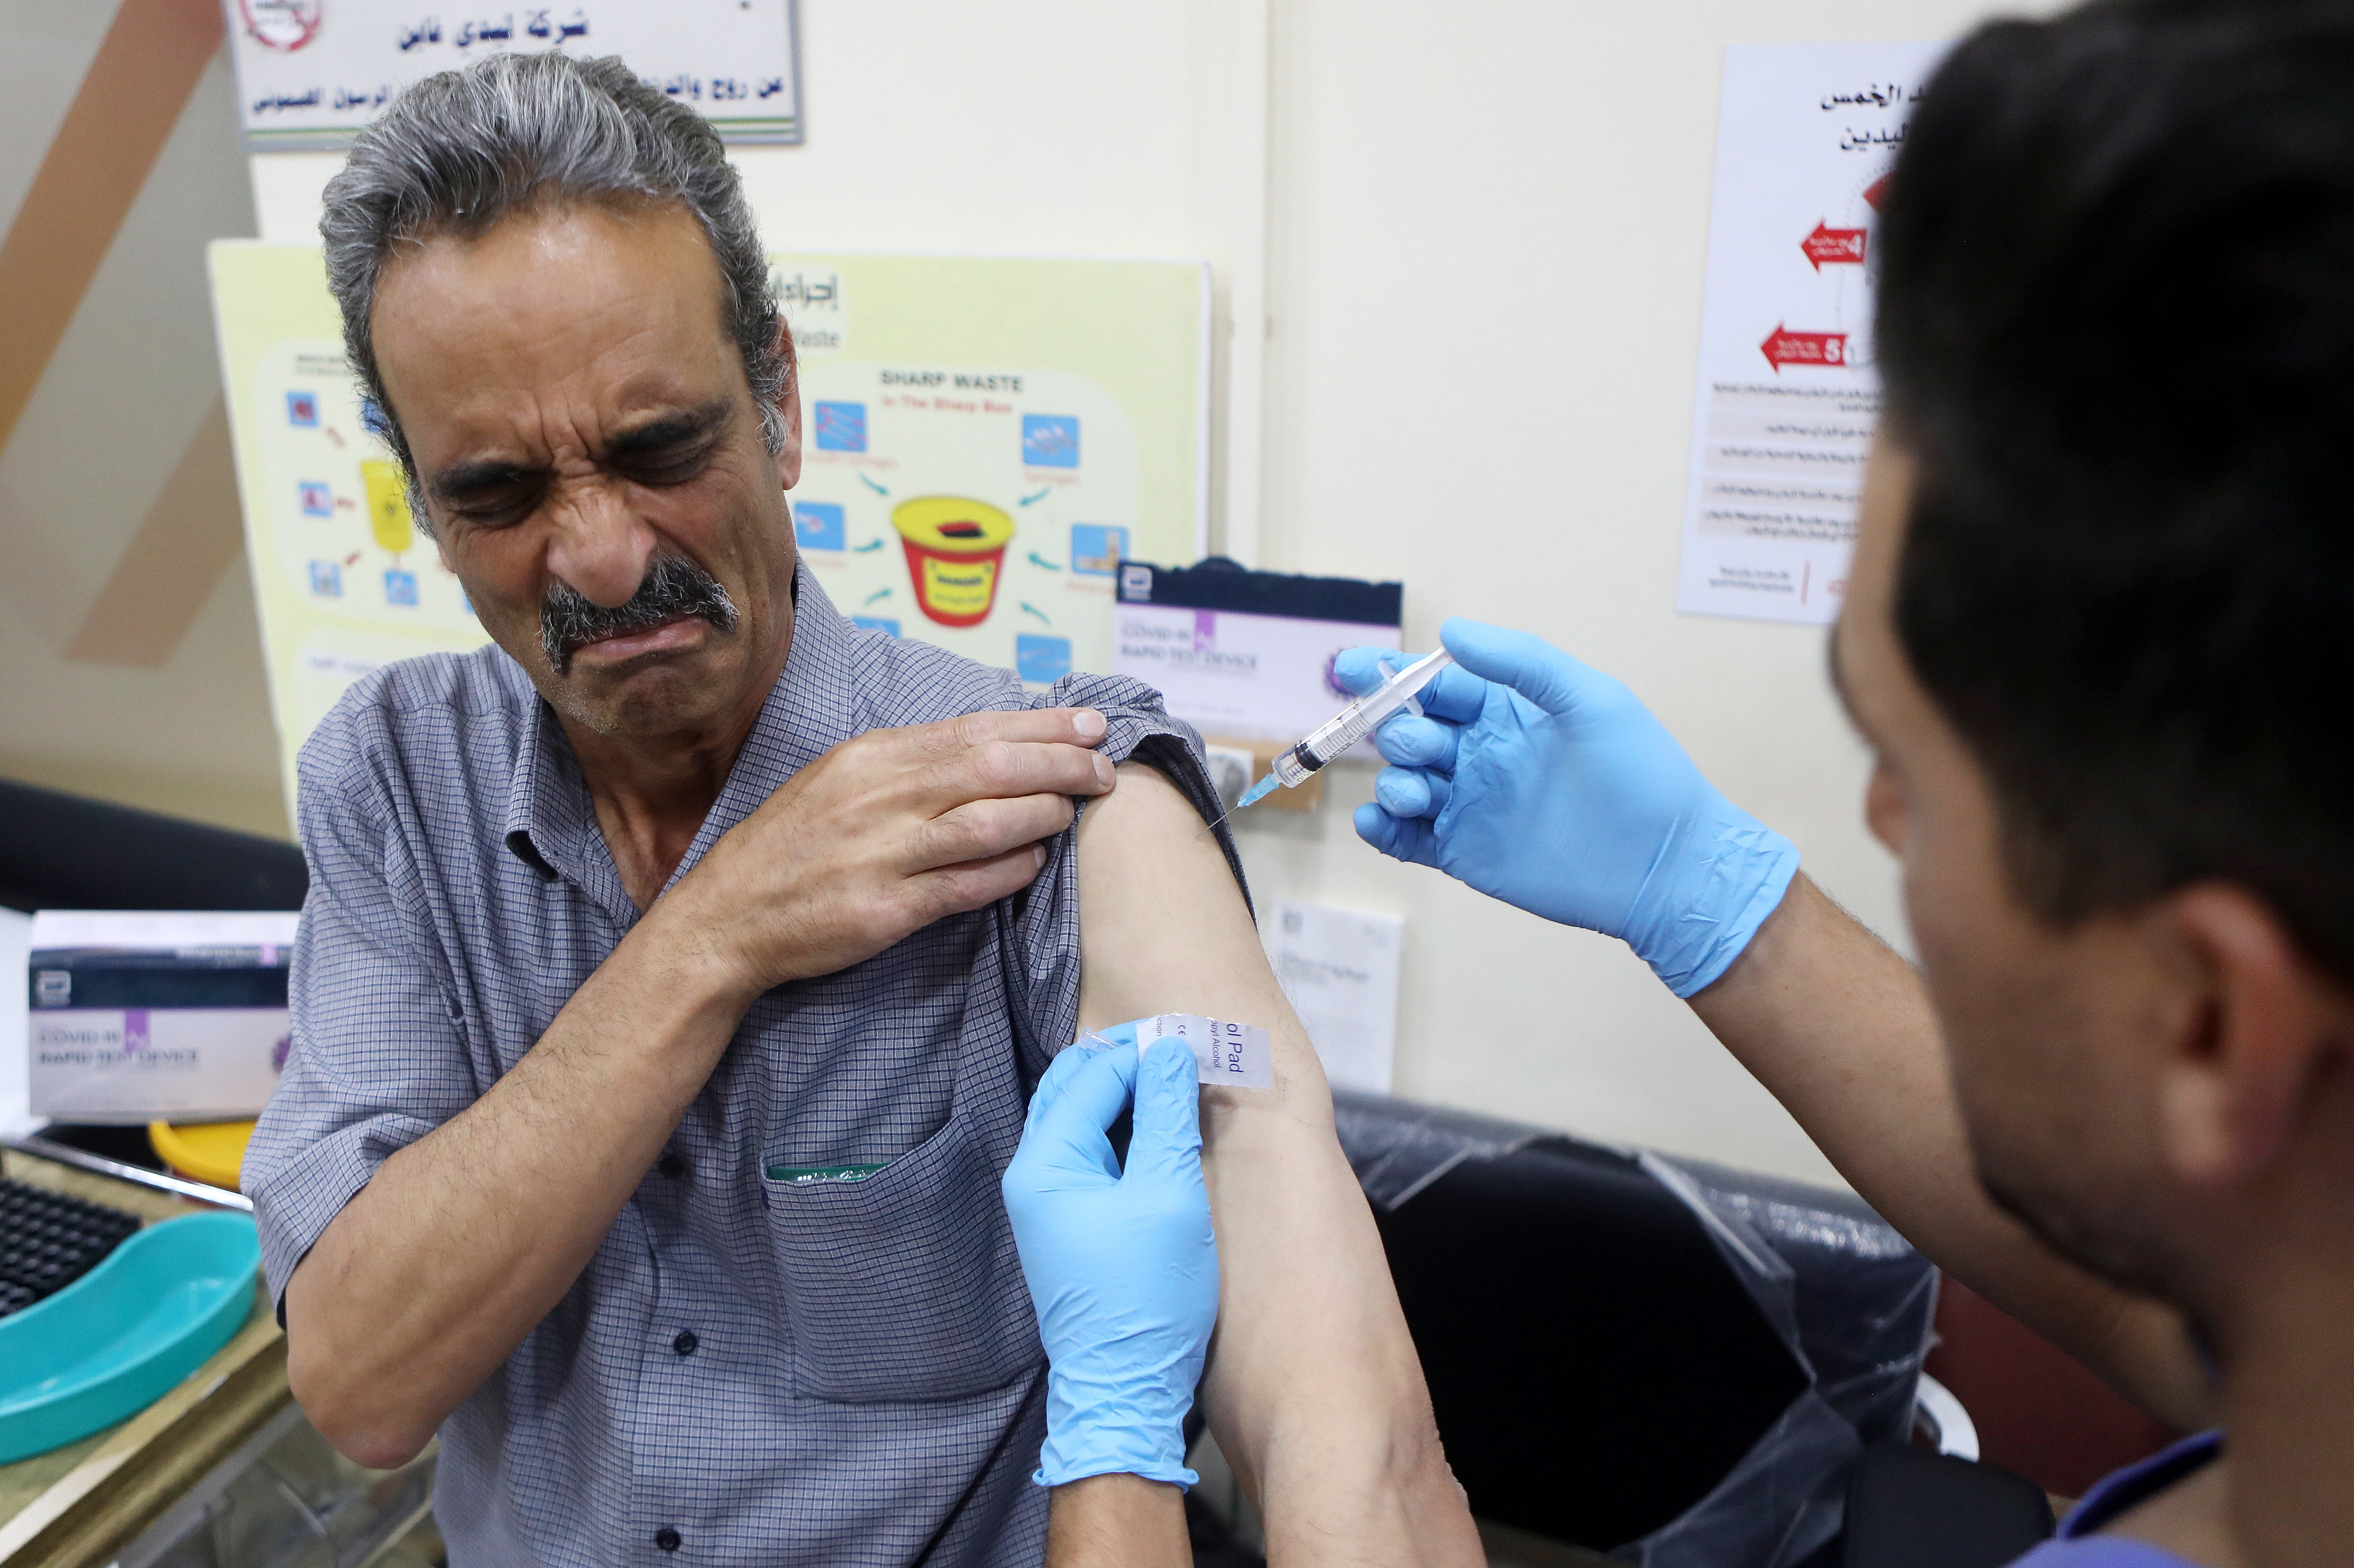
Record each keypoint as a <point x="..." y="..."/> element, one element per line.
<point x="1336" y="734"/>
<point x="1354" y="722"/>
<point x="1295" y="765"/>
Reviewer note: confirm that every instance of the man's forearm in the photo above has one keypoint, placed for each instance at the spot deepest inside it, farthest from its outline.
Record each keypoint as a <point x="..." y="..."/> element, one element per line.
<point x="1117" y="1521"/>
<point x="1313" y="1387"/>
<point x="463" y="1240"/>
<point x="1841" y="1030"/>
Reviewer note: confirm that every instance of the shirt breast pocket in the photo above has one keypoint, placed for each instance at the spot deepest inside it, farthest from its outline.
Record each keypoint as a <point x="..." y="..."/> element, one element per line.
<point x="903" y="1285"/>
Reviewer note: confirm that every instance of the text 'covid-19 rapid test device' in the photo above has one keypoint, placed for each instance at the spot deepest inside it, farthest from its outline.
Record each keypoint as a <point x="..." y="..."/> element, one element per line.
<point x="1328" y="740"/>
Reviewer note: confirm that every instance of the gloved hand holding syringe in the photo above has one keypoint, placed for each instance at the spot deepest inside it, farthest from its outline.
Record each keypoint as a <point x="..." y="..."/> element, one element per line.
<point x="1363" y="714"/>
<point x="1544" y="782"/>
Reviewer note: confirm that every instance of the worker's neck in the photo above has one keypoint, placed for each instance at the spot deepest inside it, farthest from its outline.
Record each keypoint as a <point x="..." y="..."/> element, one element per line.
<point x="2288" y="1395"/>
<point x="2281" y="1300"/>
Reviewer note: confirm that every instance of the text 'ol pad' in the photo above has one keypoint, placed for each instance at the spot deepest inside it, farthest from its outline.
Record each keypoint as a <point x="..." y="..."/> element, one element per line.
<point x="1232" y="1054"/>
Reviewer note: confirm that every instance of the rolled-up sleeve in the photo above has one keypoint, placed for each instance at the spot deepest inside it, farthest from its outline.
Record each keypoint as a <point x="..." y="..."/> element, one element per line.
<point x="378" y="1054"/>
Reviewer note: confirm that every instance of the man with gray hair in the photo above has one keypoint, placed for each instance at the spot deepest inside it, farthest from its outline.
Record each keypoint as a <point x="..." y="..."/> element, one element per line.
<point x="675" y="972"/>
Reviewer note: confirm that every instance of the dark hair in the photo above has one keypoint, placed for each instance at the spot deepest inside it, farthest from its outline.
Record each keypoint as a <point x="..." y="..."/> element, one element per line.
<point x="459" y="151"/>
<point x="2117" y="331"/>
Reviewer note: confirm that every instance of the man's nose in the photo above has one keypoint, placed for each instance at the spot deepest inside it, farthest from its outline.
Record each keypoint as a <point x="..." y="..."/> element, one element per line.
<point x="597" y="546"/>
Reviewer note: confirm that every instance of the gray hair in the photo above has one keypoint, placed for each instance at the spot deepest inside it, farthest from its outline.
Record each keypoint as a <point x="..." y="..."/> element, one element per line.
<point x="456" y="153"/>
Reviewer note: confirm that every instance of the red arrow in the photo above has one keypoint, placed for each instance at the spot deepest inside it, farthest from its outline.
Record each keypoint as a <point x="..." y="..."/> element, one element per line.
<point x="1783" y="347"/>
<point x="1833" y="245"/>
<point x="1876" y="192"/>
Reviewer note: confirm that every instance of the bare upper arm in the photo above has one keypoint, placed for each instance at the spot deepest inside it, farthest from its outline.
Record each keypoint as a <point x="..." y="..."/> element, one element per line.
<point x="1163" y="927"/>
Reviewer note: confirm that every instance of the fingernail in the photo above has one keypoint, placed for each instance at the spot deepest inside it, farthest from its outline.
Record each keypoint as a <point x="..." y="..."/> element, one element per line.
<point x="1090" y="724"/>
<point x="1103" y="771"/>
<point x="1037" y="857"/>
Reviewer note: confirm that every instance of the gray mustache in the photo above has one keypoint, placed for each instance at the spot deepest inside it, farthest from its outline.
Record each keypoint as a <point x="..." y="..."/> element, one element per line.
<point x="675" y="585"/>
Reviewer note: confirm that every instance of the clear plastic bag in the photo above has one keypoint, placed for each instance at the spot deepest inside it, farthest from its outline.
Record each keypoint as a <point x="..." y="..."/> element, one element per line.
<point x="1398" y="1148"/>
<point x="1851" y="1301"/>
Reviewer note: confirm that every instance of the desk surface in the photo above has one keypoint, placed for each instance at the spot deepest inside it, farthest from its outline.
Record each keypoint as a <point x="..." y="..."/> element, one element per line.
<point x="81" y="1503"/>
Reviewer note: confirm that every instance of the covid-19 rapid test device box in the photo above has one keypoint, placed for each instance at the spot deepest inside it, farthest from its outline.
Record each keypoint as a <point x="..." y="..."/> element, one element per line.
<point x="135" y="1017"/>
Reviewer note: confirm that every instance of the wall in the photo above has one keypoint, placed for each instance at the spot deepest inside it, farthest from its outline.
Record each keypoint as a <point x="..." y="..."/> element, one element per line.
<point x="1486" y="250"/>
<point x="1477" y="247"/>
<point x="130" y="667"/>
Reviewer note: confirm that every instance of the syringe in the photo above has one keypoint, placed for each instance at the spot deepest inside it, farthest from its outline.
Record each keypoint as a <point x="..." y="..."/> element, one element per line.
<point x="1328" y="740"/>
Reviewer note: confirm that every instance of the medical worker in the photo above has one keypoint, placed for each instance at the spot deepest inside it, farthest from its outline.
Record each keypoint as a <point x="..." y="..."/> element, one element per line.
<point x="2096" y="637"/>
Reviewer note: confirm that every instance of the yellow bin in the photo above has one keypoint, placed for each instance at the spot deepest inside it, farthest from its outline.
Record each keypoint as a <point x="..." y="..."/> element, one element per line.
<point x="387" y="504"/>
<point x="208" y="1151"/>
<point x="955" y="546"/>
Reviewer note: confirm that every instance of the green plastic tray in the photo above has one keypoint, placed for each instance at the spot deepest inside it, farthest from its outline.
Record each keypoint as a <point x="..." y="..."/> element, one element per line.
<point x="112" y="1341"/>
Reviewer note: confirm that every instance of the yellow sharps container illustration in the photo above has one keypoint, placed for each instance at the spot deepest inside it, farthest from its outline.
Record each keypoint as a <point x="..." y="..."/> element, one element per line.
<point x="387" y="504"/>
<point x="955" y="549"/>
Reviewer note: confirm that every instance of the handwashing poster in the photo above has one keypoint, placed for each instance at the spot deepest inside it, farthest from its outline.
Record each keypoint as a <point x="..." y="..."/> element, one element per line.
<point x="984" y="440"/>
<point x="1788" y="393"/>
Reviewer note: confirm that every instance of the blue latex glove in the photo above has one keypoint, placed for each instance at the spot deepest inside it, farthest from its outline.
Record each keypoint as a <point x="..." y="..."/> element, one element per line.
<point x="1547" y="784"/>
<point x="1123" y="1268"/>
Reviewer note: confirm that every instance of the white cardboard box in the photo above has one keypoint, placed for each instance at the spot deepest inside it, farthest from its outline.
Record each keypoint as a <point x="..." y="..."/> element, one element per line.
<point x="1241" y="676"/>
<point x="136" y="1017"/>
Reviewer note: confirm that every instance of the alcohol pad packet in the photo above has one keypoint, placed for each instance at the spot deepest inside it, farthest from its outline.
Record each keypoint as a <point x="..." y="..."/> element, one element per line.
<point x="1236" y="1055"/>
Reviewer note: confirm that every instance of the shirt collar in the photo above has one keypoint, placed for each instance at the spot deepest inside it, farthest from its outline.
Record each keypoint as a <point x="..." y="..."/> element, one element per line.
<point x="551" y="823"/>
<point x="2113" y="1494"/>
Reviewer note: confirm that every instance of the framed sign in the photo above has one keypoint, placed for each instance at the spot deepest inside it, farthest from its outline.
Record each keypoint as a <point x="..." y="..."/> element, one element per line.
<point x="310" y="73"/>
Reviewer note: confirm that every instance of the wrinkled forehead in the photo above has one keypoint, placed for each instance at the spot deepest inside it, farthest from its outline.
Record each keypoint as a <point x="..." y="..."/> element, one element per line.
<point x="556" y="296"/>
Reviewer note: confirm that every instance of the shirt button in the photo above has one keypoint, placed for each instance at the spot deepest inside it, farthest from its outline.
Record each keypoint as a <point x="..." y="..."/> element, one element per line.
<point x="672" y="1165"/>
<point x="666" y="1539"/>
<point x="684" y="1344"/>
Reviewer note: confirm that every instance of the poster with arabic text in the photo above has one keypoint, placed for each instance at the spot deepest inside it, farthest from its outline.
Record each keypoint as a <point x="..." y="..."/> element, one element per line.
<point x="1788" y="393"/>
<point x="310" y="73"/>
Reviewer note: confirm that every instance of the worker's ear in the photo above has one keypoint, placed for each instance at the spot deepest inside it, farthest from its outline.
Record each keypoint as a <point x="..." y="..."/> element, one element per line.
<point x="2257" y="1027"/>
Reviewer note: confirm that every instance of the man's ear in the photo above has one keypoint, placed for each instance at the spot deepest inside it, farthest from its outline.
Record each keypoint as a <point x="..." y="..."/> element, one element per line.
<point x="789" y="407"/>
<point x="2260" y="1027"/>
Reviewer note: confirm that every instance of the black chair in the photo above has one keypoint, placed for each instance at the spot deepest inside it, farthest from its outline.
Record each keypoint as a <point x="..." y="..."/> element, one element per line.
<point x="1672" y="1361"/>
<point x="1908" y="1508"/>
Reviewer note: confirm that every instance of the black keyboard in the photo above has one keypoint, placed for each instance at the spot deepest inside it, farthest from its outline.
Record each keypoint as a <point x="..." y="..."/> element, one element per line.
<point x="47" y="1241"/>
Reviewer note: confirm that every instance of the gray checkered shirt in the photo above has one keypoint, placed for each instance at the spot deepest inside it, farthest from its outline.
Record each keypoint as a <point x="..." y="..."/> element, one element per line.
<point x="863" y="1383"/>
